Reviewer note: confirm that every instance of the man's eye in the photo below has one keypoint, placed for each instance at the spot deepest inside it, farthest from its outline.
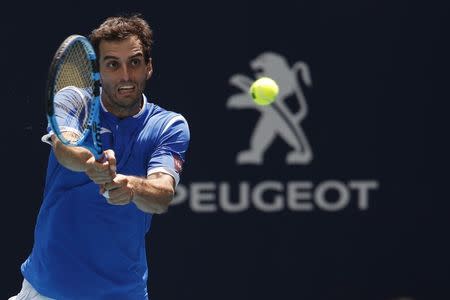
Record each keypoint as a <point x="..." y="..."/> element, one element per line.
<point x="112" y="64"/>
<point x="135" y="62"/>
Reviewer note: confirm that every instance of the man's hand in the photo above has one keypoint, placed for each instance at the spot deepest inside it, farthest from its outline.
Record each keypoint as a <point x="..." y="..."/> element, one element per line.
<point x="102" y="172"/>
<point x="119" y="191"/>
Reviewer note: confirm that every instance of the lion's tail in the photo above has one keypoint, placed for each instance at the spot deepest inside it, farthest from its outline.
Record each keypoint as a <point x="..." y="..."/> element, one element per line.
<point x="305" y="77"/>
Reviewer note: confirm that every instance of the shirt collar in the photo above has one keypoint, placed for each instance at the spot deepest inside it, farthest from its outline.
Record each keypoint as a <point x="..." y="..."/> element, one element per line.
<point x="138" y="114"/>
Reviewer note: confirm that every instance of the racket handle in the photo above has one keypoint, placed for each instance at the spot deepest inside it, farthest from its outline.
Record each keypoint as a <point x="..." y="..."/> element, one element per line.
<point x="102" y="158"/>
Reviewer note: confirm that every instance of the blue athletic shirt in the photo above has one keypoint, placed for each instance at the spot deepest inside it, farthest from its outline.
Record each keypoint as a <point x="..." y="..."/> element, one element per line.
<point x="85" y="248"/>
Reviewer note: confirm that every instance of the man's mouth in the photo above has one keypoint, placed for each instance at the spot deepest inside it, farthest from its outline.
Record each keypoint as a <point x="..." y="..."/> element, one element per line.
<point x="126" y="89"/>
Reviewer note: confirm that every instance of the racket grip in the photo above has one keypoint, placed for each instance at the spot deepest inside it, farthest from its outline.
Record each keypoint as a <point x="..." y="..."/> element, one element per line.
<point x="102" y="158"/>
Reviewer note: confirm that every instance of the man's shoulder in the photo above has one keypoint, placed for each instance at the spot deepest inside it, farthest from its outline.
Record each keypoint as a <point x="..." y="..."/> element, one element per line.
<point x="163" y="115"/>
<point x="167" y="121"/>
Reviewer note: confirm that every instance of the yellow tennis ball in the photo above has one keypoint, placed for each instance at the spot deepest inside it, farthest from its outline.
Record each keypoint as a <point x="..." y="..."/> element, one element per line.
<point x="264" y="91"/>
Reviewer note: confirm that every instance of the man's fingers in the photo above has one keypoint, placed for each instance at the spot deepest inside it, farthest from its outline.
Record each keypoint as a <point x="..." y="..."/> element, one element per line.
<point x="111" y="160"/>
<point x="101" y="166"/>
<point x="116" y="203"/>
<point x="104" y="177"/>
<point x="117" y="195"/>
<point x="115" y="200"/>
<point x="109" y="186"/>
<point x="101" y="188"/>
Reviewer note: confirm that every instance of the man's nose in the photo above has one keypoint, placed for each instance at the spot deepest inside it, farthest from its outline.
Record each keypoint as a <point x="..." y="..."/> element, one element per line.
<point x="125" y="73"/>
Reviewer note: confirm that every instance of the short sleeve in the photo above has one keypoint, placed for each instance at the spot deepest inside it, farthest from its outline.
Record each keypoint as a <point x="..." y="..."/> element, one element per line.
<point x="170" y="153"/>
<point x="71" y="117"/>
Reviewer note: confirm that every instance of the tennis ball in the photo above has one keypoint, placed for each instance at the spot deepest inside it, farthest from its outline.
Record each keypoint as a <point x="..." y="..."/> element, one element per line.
<point x="264" y="91"/>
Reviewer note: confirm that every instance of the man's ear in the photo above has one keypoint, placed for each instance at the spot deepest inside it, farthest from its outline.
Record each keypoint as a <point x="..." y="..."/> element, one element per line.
<point x="149" y="69"/>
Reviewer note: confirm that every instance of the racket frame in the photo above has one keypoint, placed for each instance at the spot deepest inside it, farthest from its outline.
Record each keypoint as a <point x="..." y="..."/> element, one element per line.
<point x="93" y="124"/>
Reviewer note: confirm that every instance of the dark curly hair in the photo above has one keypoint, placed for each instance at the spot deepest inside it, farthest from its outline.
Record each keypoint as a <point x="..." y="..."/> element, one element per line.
<point x="122" y="27"/>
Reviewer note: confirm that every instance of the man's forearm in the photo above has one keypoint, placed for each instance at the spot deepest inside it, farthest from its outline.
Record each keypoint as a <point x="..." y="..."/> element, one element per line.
<point x="73" y="158"/>
<point x="152" y="195"/>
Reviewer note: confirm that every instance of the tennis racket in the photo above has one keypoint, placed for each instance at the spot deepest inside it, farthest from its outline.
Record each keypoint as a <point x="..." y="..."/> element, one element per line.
<point x="73" y="95"/>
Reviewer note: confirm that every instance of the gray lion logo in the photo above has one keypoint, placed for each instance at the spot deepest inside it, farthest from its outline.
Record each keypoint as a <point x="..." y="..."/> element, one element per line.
<point x="276" y="119"/>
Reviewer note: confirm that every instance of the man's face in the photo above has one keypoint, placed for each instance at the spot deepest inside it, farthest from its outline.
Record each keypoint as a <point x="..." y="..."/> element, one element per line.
<point x="123" y="74"/>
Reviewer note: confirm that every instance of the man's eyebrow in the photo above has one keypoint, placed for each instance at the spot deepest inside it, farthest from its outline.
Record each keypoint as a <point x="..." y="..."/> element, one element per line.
<point x="136" y="55"/>
<point x="109" y="57"/>
<point x="114" y="57"/>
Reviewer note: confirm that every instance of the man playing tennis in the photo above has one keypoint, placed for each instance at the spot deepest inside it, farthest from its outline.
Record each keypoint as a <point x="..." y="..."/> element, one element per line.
<point x="90" y="231"/>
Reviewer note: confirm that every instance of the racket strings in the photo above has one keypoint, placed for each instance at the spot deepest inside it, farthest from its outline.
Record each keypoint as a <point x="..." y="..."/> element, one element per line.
<point x="73" y="105"/>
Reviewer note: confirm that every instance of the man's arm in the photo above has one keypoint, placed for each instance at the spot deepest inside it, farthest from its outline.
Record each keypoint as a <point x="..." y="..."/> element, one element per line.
<point x="152" y="194"/>
<point x="79" y="159"/>
<point x="73" y="158"/>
